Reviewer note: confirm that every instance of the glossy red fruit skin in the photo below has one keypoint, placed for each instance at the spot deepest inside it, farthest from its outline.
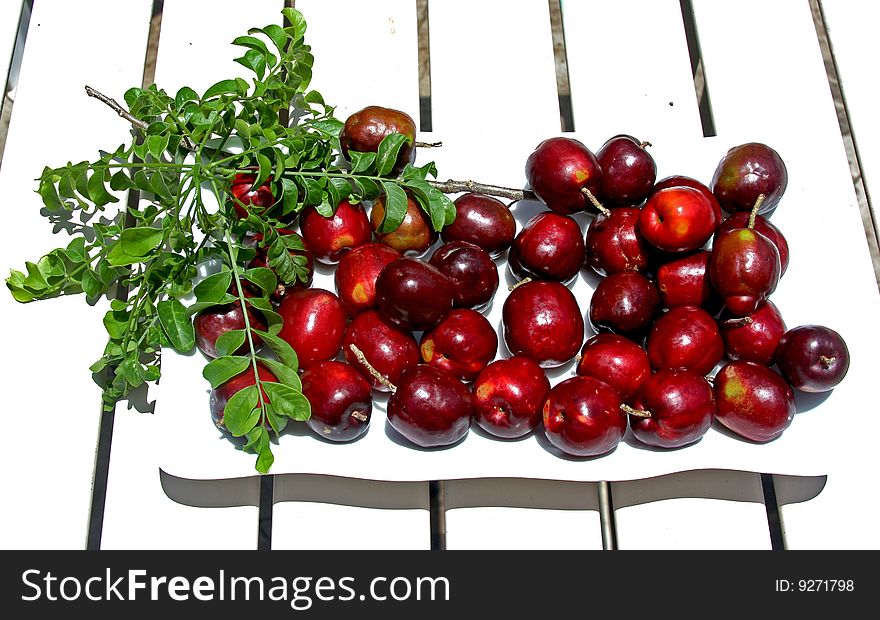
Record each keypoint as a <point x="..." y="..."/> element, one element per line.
<point x="388" y="348"/>
<point x="813" y="358"/>
<point x="211" y="322"/>
<point x="613" y="243"/>
<point x="223" y="392"/>
<point x="558" y="171"/>
<point x="682" y="407"/>
<point x="677" y="219"/>
<point x="314" y="324"/>
<point x="328" y="238"/>
<point x="482" y="220"/>
<point x="413" y="294"/>
<point x="462" y="344"/>
<point x="624" y="303"/>
<point x="744" y="269"/>
<point x="260" y="260"/>
<point x="628" y="171"/>
<point x="430" y="407"/>
<point x="755" y="336"/>
<point x="355" y="275"/>
<point x="618" y="361"/>
<point x="753" y="401"/>
<point x="582" y="417"/>
<point x="509" y="396"/>
<point x="341" y="400"/>
<point x="549" y="247"/>
<point x="745" y="172"/>
<point x="473" y="273"/>
<point x="685" y="281"/>
<point x="740" y="219"/>
<point x="415" y="235"/>
<point x="542" y="320"/>
<point x="679" y="180"/>
<point x="685" y="337"/>
<point x="244" y="195"/>
<point x="364" y="131"/>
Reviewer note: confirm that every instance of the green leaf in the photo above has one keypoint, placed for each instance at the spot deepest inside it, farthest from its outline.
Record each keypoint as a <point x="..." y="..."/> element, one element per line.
<point x="261" y="445"/>
<point x="241" y="413"/>
<point x="289" y="196"/>
<point x="214" y="287"/>
<point x="297" y="22"/>
<point x="361" y="162"/>
<point x="134" y="244"/>
<point x="255" y="61"/>
<point x="176" y="324"/>
<point x="91" y="286"/>
<point x="97" y="192"/>
<point x="281" y="348"/>
<point x="395" y="207"/>
<point x="389" y="148"/>
<point x="223" y="87"/>
<point x="275" y="33"/>
<point x="288" y="401"/>
<point x="265" y="169"/>
<point x="262" y="277"/>
<point x="284" y="374"/>
<point x="220" y="370"/>
<point x="183" y="96"/>
<point x="116" y="323"/>
<point x="156" y="145"/>
<point x="229" y="342"/>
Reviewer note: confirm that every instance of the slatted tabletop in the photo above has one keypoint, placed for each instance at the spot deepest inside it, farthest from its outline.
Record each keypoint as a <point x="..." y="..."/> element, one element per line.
<point x="480" y="70"/>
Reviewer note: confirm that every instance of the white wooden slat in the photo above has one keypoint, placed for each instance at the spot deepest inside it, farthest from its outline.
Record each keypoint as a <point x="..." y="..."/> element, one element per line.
<point x="492" y="72"/>
<point x="705" y="509"/>
<point x="779" y="94"/>
<point x="352" y="70"/>
<point x="194" y="50"/>
<point x="366" y="53"/>
<point x="47" y="479"/>
<point x="855" y="47"/>
<point x="9" y="18"/>
<point x="336" y="512"/>
<point x="511" y="513"/>
<point x="846" y="509"/>
<point x="492" y="68"/>
<point x="630" y="71"/>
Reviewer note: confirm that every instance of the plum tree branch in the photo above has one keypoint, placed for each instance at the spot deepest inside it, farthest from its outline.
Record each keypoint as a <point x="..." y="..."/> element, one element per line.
<point x="113" y="105"/>
<point x="452" y="187"/>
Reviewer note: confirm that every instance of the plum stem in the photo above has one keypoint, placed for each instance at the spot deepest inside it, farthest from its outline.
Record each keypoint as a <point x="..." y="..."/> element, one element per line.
<point x="639" y="413"/>
<point x="738" y="322"/>
<point x="520" y="283"/>
<point x="827" y="361"/>
<point x="754" y="214"/>
<point x="359" y="355"/>
<point x="427" y="145"/>
<point x="642" y="145"/>
<point x="360" y="416"/>
<point x="595" y="201"/>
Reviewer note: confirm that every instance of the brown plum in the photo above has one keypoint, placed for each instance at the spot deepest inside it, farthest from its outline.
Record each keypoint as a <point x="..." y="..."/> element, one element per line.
<point x="364" y="131"/>
<point x="747" y="172"/>
<point x="413" y="237"/>
<point x="624" y="303"/>
<point x="813" y="358"/>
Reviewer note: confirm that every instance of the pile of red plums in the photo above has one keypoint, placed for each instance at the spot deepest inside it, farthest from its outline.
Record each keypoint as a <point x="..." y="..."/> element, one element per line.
<point x="685" y="331"/>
